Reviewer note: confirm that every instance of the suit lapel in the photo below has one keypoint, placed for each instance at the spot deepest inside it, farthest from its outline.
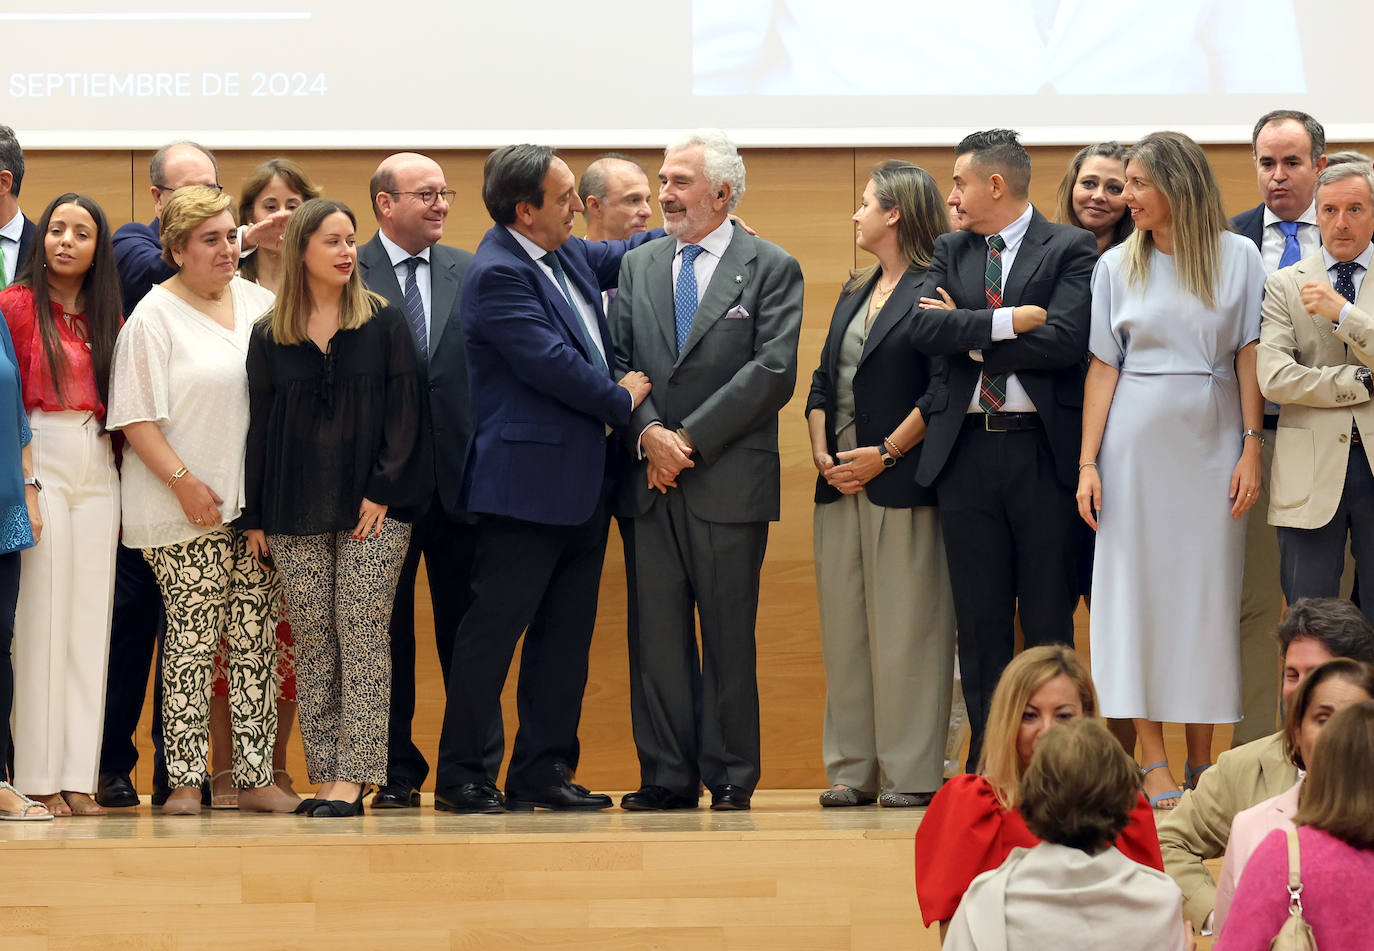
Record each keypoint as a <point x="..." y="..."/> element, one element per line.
<point x="732" y="274"/>
<point x="971" y="272"/>
<point x="894" y="308"/>
<point x="660" y="277"/>
<point x="1307" y="271"/>
<point x="380" y="275"/>
<point x="443" y="291"/>
<point x="1028" y="258"/>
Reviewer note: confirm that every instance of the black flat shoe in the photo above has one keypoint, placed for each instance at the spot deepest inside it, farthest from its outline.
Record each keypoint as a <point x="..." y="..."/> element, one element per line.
<point x="470" y="799"/>
<point x="656" y="799"/>
<point x="729" y="798"/>
<point x="396" y="796"/>
<point x="336" y="808"/>
<point x="305" y="806"/>
<point x="116" y="791"/>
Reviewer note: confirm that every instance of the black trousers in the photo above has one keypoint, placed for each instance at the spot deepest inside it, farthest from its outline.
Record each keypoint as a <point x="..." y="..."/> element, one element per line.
<point x="1008" y="524"/>
<point x="1311" y="560"/>
<point x="542" y="581"/>
<point x="9" y="597"/>
<point x="137" y="626"/>
<point x="447" y="546"/>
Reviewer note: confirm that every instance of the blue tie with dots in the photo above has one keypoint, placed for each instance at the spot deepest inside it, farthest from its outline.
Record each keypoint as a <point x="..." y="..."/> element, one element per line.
<point x="1345" y="279"/>
<point x="685" y="294"/>
<point x="1292" y="251"/>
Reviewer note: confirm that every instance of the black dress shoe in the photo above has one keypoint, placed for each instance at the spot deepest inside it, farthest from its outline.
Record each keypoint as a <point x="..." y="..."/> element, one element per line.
<point x="396" y="796"/>
<point x="470" y="798"/>
<point x="116" y="791"/>
<point x="655" y="799"/>
<point x="729" y="798"/>
<point x="562" y="796"/>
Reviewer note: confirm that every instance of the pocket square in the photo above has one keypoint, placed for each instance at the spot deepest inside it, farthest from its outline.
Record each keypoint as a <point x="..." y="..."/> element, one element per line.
<point x="736" y="313"/>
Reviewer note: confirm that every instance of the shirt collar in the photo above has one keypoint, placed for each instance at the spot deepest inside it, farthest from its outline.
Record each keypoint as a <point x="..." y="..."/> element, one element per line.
<point x="1308" y="217"/>
<point x="714" y="243"/>
<point x="532" y="249"/>
<point x="1362" y="259"/>
<point x="14" y="228"/>
<point x="398" y="254"/>
<point x="1014" y="232"/>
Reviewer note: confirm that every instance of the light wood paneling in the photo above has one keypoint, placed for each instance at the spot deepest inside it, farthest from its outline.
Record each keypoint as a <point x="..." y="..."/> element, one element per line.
<point x="798" y="198"/>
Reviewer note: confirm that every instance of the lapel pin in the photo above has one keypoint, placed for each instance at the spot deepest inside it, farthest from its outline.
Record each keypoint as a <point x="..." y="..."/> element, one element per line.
<point x="739" y="278"/>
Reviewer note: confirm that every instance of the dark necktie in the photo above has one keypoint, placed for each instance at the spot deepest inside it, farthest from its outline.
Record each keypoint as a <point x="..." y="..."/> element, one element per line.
<point x="1292" y="251"/>
<point x="685" y="294"/>
<point x="593" y="353"/>
<point x="992" y="389"/>
<point x="415" y="307"/>
<point x="1345" y="279"/>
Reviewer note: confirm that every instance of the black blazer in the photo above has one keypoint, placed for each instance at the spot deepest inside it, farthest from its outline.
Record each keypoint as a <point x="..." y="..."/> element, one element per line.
<point x="25" y="247"/>
<point x="1251" y="224"/>
<point x="446" y="376"/>
<point x="1053" y="268"/>
<point x="894" y="375"/>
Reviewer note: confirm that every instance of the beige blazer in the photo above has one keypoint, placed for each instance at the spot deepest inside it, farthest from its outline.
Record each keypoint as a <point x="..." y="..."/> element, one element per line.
<point x="1308" y="367"/>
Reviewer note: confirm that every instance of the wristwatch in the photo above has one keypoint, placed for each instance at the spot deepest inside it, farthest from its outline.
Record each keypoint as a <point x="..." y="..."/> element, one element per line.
<point x="889" y="460"/>
<point x="1366" y="378"/>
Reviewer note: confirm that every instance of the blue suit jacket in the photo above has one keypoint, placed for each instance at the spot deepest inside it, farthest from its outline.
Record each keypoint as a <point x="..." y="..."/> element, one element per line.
<point x="1251" y="224"/>
<point x="25" y="247"/>
<point x="540" y="407"/>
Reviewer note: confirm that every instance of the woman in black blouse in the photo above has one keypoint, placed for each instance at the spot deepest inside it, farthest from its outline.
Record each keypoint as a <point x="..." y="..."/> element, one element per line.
<point x="335" y="473"/>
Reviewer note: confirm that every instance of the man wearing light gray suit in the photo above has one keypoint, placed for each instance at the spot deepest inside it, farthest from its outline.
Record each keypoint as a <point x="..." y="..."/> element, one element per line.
<point x="1315" y="353"/>
<point x="712" y="315"/>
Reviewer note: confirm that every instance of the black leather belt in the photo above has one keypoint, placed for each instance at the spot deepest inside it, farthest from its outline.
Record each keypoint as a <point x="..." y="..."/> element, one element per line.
<point x="1271" y="420"/>
<point x="1002" y="422"/>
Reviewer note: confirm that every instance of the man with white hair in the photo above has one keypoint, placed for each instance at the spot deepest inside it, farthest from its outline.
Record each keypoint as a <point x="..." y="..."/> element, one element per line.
<point x="712" y="315"/>
<point x="1316" y="349"/>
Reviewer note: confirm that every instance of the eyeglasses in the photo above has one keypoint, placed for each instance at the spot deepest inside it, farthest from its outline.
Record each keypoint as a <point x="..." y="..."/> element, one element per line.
<point x="171" y="188"/>
<point x="427" y="196"/>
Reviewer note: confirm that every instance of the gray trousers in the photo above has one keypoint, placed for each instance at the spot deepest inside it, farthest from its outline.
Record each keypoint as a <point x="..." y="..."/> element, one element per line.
<point x="887" y="635"/>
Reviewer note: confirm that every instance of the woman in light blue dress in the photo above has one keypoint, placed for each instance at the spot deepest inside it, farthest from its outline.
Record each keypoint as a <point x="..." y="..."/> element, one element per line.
<point x="1170" y="463"/>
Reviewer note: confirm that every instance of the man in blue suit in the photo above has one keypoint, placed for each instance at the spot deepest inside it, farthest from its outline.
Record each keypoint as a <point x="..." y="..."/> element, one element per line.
<point x="16" y="230"/>
<point x="538" y="478"/>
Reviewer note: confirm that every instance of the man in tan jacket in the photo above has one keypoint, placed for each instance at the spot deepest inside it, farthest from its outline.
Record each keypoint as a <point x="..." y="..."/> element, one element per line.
<point x="1316" y="348"/>
<point x="1312" y="632"/>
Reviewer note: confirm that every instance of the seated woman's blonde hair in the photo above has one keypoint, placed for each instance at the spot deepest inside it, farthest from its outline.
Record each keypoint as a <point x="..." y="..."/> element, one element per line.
<point x="185" y="211"/>
<point x="1080" y="787"/>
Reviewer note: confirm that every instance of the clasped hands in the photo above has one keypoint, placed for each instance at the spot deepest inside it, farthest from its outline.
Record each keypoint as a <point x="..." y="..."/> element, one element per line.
<point x="667" y="455"/>
<point x="1322" y="300"/>
<point x="849" y="471"/>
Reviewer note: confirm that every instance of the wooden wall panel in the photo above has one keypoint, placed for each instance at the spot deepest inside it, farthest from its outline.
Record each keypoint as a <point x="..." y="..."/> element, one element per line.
<point x="799" y="198"/>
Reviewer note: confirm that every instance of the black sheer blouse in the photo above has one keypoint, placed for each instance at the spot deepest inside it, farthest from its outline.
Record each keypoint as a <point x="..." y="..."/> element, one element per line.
<point x="327" y="430"/>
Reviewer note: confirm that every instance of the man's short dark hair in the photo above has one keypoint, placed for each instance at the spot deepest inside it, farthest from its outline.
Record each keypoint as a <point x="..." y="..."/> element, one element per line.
<point x="512" y="174"/>
<point x="1315" y="133"/>
<point x="159" y="160"/>
<point x="1334" y="623"/>
<point x="11" y="159"/>
<point x="999" y="151"/>
<point x="383" y="181"/>
<point x="594" y="179"/>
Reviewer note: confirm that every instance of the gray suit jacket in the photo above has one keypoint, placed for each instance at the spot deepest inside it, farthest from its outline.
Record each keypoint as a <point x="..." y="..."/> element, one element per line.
<point x="450" y="413"/>
<point x="734" y="374"/>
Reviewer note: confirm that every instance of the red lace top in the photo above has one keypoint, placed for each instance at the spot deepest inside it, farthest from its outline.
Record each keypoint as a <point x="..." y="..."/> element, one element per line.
<point x="79" y="388"/>
<point x="966" y="832"/>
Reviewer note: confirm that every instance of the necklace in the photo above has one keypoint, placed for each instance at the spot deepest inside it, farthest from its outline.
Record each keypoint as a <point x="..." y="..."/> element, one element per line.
<point x="880" y="295"/>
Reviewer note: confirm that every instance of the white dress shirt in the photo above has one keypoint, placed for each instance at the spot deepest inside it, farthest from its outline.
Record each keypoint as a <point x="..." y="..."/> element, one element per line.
<point x="1273" y="240"/>
<point x="1362" y="259"/>
<point x="398" y="257"/>
<point x="1018" y="400"/>
<point x="9" y="245"/>
<point x="714" y="245"/>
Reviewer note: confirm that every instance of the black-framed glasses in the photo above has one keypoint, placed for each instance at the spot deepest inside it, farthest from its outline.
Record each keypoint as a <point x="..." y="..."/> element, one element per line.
<point x="171" y="188"/>
<point x="426" y="196"/>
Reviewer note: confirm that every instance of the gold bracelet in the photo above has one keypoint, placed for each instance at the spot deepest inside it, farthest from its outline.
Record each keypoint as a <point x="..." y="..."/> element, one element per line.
<point x="892" y="446"/>
<point x="172" y="479"/>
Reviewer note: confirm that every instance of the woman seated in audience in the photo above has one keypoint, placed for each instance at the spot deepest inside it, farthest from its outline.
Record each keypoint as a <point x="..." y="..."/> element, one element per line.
<point x="20" y="525"/>
<point x="1335" y="831"/>
<point x="63" y="314"/>
<point x="975" y="821"/>
<point x="1077" y="795"/>
<point x="336" y="463"/>
<point x="179" y="391"/>
<point x="887" y="613"/>
<point x="1090" y="194"/>
<point x="1333" y="686"/>
<point x="1172" y="418"/>
<point x="276" y="185"/>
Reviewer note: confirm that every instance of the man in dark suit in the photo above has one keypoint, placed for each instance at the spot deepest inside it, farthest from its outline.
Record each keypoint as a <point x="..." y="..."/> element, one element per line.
<point x="538" y="477"/>
<point x="1289" y="150"/>
<point x="712" y="314"/>
<point x="405" y="263"/>
<point x="1002" y="441"/>
<point x="16" y="230"/>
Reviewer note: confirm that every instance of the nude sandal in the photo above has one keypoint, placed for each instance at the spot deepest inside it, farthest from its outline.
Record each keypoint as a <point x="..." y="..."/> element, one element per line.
<point x="25" y="812"/>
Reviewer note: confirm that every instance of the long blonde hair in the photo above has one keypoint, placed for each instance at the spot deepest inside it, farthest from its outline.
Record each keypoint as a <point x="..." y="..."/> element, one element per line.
<point x="1179" y="169"/>
<point x="291" y="312"/>
<point x="1034" y="667"/>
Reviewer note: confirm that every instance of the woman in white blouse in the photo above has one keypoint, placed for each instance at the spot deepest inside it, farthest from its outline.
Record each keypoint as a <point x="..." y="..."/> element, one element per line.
<point x="179" y="391"/>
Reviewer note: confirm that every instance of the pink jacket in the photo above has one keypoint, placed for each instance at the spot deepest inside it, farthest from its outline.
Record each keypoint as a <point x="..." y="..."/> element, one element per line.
<point x="1248" y="830"/>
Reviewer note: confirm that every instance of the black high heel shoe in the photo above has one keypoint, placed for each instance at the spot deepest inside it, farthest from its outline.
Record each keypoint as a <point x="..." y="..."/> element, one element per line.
<point x="337" y="809"/>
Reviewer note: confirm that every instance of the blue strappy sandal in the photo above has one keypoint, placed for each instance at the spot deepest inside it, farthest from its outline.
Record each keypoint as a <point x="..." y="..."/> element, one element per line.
<point x="1157" y="798"/>
<point x="1191" y="773"/>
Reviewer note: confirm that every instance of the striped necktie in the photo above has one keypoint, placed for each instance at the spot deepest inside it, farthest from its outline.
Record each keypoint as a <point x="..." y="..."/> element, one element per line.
<point x="415" y="307"/>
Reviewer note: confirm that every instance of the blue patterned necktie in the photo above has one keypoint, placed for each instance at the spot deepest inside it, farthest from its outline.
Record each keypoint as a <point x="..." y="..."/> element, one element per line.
<point x="415" y="307"/>
<point x="1292" y="251"/>
<point x="593" y="353"/>
<point x="1345" y="279"/>
<point x="685" y="294"/>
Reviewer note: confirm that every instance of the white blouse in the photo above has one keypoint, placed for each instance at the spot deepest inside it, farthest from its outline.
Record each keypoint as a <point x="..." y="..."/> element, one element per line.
<point x="176" y="367"/>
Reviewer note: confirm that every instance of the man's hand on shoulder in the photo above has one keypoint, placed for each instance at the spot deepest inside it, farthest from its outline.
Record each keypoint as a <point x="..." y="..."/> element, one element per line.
<point x="638" y="384"/>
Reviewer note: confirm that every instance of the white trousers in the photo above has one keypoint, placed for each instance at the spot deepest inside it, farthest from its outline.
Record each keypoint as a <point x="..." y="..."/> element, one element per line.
<point x="66" y="593"/>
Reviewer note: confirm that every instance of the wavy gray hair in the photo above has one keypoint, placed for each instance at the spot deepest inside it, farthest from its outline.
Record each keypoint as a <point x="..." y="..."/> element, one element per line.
<point x="721" y="158"/>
